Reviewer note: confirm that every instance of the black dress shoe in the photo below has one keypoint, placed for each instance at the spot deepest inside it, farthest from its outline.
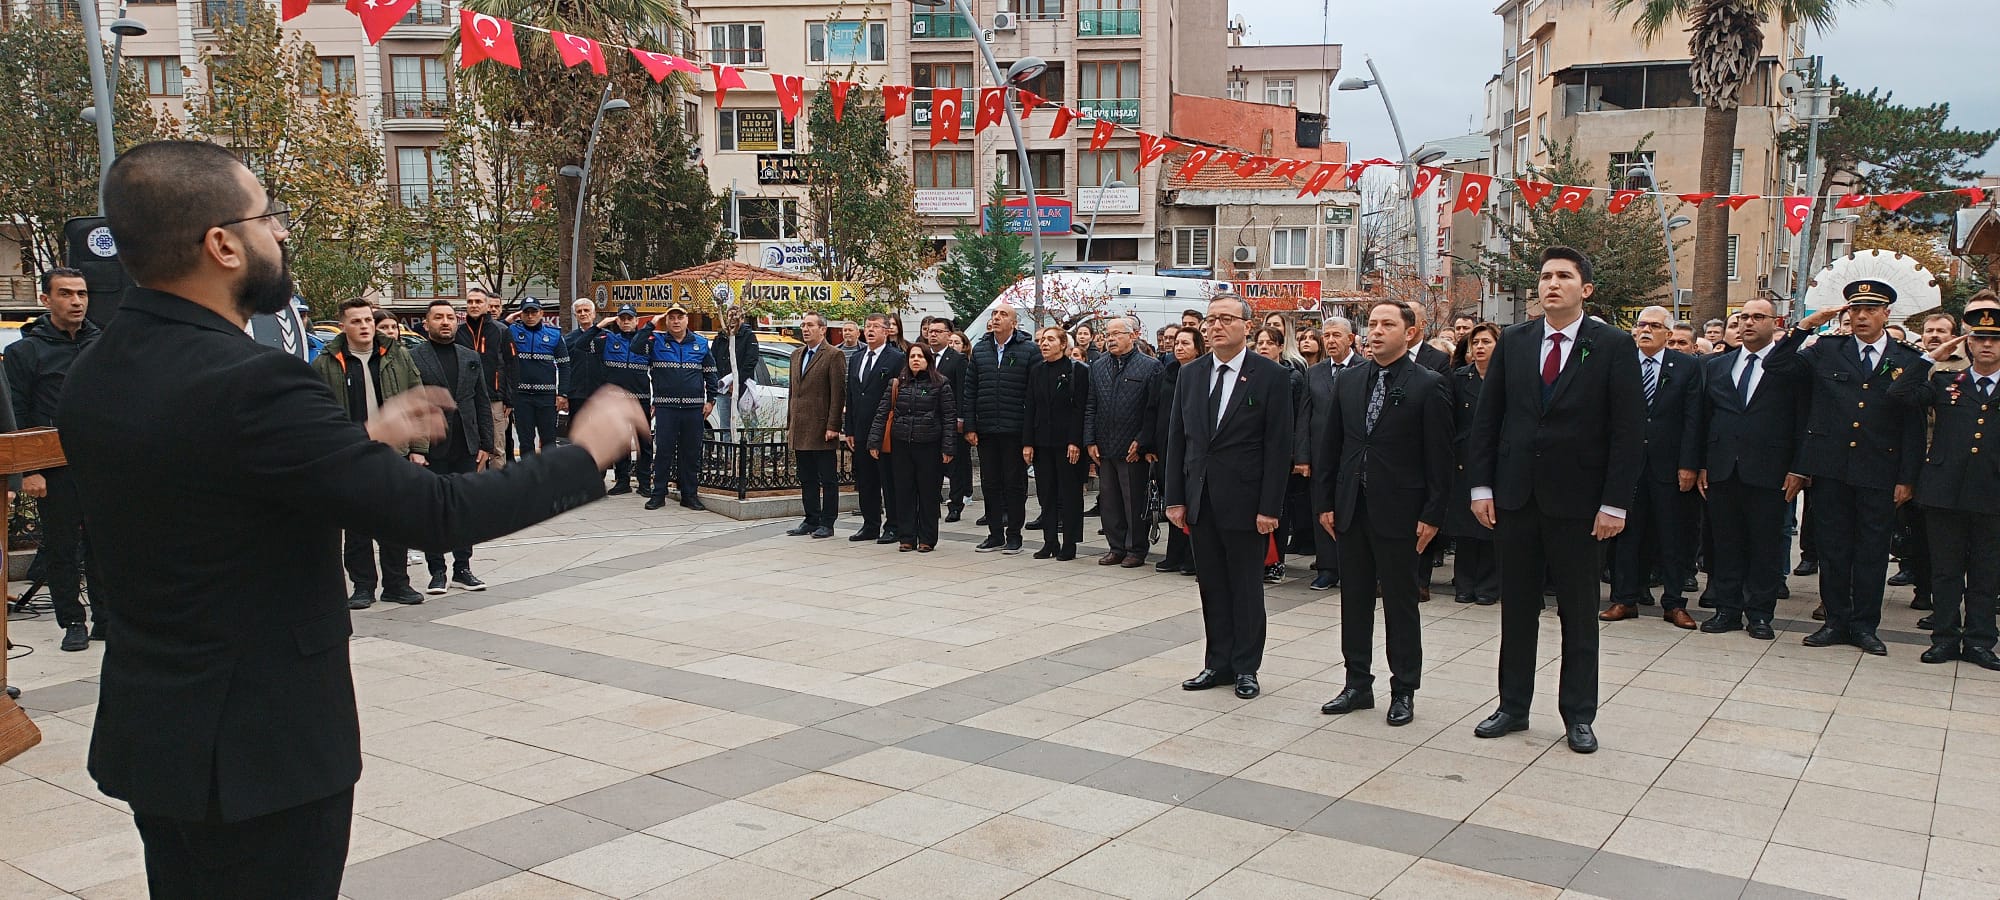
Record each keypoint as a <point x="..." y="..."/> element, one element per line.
<point x="1902" y="578"/>
<point x="361" y="600"/>
<point x="887" y="538"/>
<point x="1013" y="548"/>
<point x="1348" y="700"/>
<point x="1402" y="708"/>
<point x="1784" y="591"/>
<point x="1048" y="551"/>
<point x="1761" y="631"/>
<point x="1939" y="654"/>
<point x="1921" y="602"/>
<point x="1688" y="586"/>
<point x="1927" y="623"/>
<point x="1826" y="636"/>
<point x="980" y="521"/>
<point x="1207" y="679"/>
<point x="1035" y="525"/>
<point x="1806" y="567"/>
<point x="951" y="515"/>
<point x="404" y="594"/>
<point x="1582" y="739"/>
<point x="803" y="529"/>
<point x="693" y="503"/>
<point x="656" y="503"/>
<point x="1486" y="601"/>
<point x="76" y="637"/>
<point x="617" y="489"/>
<point x="822" y="532"/>
<point x="989" y="545"/>
<point x="1982" y="657"/>
<point x="1067" y="553"/>
<point x="1722" y="623"/>
<point x="1246" y="687"/>
<point x="865" y="534"/>
<point x="1869" y="643"/>
<point x="1498" y="724"/>
<point x="1706" y="601"/>
<point x="1167" y="565"/>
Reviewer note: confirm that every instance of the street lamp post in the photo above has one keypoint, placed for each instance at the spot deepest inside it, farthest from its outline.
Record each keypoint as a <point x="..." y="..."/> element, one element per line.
<point x="101" y="112"/>
<point x="1091" y="234"/>
<point x="1374" y="80"/>
<point x="605" y="104"/>
<point x="1667" y="227"/>
<point x="1026" y="69"/>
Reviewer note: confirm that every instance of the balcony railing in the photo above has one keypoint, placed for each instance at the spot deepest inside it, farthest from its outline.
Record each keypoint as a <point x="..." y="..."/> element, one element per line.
<point x="939" y="25"/>
<point x="1124" y="111"/>
<point x="429" y="12"/>
<point x="920" y="110"/>
<point x="221" y="13"/>
<point x="413" y="196"/>
<point x="45" y="11"/>
<point x="416" y="105"/>
<point x="1107" y="22"/>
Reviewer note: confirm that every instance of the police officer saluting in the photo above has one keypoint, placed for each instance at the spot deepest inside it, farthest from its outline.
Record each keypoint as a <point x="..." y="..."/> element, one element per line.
<point x="622" y="359"/>
<point x="1959" y="492"/>
<point x="1861" y="454"/>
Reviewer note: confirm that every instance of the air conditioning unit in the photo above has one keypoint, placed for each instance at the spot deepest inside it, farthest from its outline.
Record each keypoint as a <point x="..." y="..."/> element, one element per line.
<point x="920" y="27"/>
<point x="1003" y="21"/>
<point x="1245" y="256"/>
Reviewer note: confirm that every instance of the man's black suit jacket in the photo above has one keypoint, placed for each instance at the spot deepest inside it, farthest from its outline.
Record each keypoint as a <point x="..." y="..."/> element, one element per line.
<point x="473" y="418"/>
<point x="217" y="475"/>
<point x="1313" y="444"/>
<point x="1757" y="444"/>
<point x="1241" y="464"/>
<point x="865" y="397"/>
<point x="951" y="365"/>
<point x="1673" y="419"/>
<point x="1433" y="359"/>
<point x="1580" y="450"/>
<point x="1406" y="459"/>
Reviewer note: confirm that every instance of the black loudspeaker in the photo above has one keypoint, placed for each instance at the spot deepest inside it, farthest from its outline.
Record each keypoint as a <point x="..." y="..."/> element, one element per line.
<point x="92" y="251"/>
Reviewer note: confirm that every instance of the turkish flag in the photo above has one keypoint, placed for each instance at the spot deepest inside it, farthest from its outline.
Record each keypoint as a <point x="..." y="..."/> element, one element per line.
<point x="840" y="89"/>
<point x="1533" y="191"/>
<point x="1029" y="101"/>
<point x="1852" y="201"/>
<point x="577" y="50"/>
<point x="992" y="108"/>
<point x="895" y="100"/>
<point x="1893" y="202"/>
<point x="1152" y="147"/>
<point x="1321" y="177"/>
<point x="294" y="9"/>
<point x="726" y="77"/>
<point x="1100" y="134"/>
<point x="1472" y="192"/>
<point x="945" y="104"/>
<point x="791" y="91"/>
<point x="1254" y="164"/>
<point x="1976" y="195"/>
<point x="1286" y="168"/>
<point x="658" y="65"/>
<point x="1064" y="116"/>
<point x="483" y="37"/>
<point x="1736" y="201"/>
<point x="1622" y="199"/>
<point x="1697" y="199"/>
<point x="378" y="16"/>
<point x="1570" y="198"/>
<point x="1797" y="209"/>
<point x="1196" y="161"/>
<point x="1230" y="159"/>
<point x="1425" y="175"/>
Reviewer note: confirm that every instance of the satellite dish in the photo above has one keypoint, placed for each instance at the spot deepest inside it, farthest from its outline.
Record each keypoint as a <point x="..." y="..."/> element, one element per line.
<point x="1916" y="288"/>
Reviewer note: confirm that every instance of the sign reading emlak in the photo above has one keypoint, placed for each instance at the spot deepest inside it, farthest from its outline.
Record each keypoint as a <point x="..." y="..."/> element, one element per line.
<point x="1052" y="216"/>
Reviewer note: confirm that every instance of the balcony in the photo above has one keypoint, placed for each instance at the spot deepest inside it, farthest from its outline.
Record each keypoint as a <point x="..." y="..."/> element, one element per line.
<point x="417" y="195"/>
<point x="46" y="12"/>
<point x="1107" y="22"/>
<point x="213" y="14"/>
<point x="429" y="12"/>
<point x="1123" y="111"/>
<point x="920" y="110"/>
<point x="429" y="20"/>
<point x="421" y="110"/>
<point x="939" y="25"/>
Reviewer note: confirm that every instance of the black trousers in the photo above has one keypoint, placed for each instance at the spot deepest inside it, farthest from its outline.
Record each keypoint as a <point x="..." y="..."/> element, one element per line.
<point x="918" y="471"/>
<point x="819" y="480"/>
<point x="1365" y="557"/>
<point x="361" y="554"/>
<point x="1122" y="489"/>
<point x="1852" y="525"/>
<point x="1748" y="524"/>
<point x="1231" y="579"/>
<point x="1655" y="535"/>
<point x="623" y="468"/>
<point x="62" y="547"/>
<point x="1476" y="570"/>
<point x="1965" y="566"/>
<point x="874" y="488"/>
<point x="1326" y="550"/>
<point x="677" y="432"/>
<point x="456" y="463"/>
<point x="1916" y="553"/>
<point x="1296" y="514"/>
<point x="1532" y="543"/>
<point x="959" y="471"/>
<point x="1003" y="478"/>
<point x="1059" y="490"/>
<point x="296" y="853"/>
<point x="1808" y="531"/>
<point x="535" y="421"/>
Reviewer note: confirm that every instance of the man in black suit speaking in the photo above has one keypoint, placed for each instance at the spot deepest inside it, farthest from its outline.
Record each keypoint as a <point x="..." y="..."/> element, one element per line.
<point x="1229" y="450"/>
<point x="217" y="475"/>
<point x="1555" y="456"/>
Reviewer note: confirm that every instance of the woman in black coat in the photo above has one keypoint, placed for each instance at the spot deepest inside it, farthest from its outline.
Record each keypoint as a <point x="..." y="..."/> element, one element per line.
<point x="1296" y="518"/>
<point x="1188" y="346"/>
<point x="1059" y="400"/>
<point x="1476" y="577"/>
<point x="921" y="441"/>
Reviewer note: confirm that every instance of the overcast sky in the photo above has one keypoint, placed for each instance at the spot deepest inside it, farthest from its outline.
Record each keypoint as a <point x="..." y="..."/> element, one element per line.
<point x="1436" y="55"/>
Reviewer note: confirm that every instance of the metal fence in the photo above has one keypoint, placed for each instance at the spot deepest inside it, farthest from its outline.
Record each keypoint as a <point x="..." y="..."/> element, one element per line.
<point x="760" y="460"/>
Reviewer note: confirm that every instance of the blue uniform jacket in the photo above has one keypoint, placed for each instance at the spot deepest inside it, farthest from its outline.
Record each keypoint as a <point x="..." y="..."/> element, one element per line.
<point x="543" y="359"/>
<point x="684" y="375"/>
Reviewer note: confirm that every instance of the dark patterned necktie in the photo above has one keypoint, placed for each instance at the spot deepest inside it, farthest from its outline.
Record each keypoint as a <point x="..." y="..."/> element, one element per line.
<point x="1652" y="378"/>
<point x="1376" y="396"/>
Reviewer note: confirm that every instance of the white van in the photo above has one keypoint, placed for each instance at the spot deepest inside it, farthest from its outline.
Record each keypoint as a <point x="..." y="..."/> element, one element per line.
<point x="1071" y="298"/>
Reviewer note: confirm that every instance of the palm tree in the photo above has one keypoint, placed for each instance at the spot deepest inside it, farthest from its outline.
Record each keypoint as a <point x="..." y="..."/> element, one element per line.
<point x="1727" y="37"/>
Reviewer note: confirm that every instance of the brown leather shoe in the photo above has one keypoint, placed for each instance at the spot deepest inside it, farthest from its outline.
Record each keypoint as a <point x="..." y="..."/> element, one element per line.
<point x="1619" y="612"/>
<point x="1679" y="618"/>
<point x="1111" y="559"/>
<point x="1133" y="561"/>
<point x="1819" y="613"/>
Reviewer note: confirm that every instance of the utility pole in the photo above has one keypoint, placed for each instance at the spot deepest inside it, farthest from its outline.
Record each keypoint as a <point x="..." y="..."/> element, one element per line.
<point x="1814" y="106"/>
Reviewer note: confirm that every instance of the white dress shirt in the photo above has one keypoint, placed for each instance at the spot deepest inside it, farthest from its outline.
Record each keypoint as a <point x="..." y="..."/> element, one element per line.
<point x="1756" y="378"/>
<point x="1228" y="387"/>
<point x="1485" y="492"/>
<point x="1881" y="346"/>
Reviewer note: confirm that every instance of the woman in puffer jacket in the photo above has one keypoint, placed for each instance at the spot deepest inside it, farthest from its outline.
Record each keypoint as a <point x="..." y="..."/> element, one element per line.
<point x="917" y="427"/>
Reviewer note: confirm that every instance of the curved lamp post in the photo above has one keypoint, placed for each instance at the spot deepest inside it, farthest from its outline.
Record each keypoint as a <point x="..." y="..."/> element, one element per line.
<point x="101" y="83"/>
<point x="605" y="104"/>
<point x="1667" y="226"/>
<point x="1374" y="80"/>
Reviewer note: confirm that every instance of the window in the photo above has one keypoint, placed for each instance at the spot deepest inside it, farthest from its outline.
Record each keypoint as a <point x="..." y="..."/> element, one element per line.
<point x="767" y="218"/>
<point x="418" y="171"/>
<point x="1736" y="171"/>
<point x="1521" y="154"/>
<point x="1524" y="88"/>
<point x="1048" y="85"/>
<point x="1732" y="257"/>
<point x="416" y="85"/>
<point x="847" y="42"/>
<point x="1107" y="18"/>
<point x="738" y="44"/>
<point x="1280" y="91"/>
<point x="691" y="120"/>
<point x="1043" y="10"/>
<point x="1108" y="249"/>
<point x="431" y="274"/>
<point x="1542" y="59"/>
<point x="1194" y="248"/>
<point x="1288" y="248"/>
<point x="1109" y="91"/>
<point x="1048" y="169"/>
<point x="336" y="75"/>
<point x="162" y="74"/>
<point x="942" y="169"/>
<point x="1622" y="163"/>
<point x="939" y="75"/>
<point x="1237" y="90"/>
<point x="1095" y="167"/>
<point x="1336" y="246"/>
<point x="1542" y="129"/>
<point x="754" y="131"/>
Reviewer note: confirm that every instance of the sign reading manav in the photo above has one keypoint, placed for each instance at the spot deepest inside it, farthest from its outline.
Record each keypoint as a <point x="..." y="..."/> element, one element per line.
<point x="945" y="201"/>
<point x="1277" y="295"/>
<point x="1053" y="216"/>
<point x="1111" y="200"/>
<point x="651" y="297"/>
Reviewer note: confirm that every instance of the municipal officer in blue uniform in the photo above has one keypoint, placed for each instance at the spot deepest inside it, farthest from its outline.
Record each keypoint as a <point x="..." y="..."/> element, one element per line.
<point x="1959" y="489"/>
<point x="621" y="357"/>
<point x="543" y="372"/>
<point x="685" y="385"/>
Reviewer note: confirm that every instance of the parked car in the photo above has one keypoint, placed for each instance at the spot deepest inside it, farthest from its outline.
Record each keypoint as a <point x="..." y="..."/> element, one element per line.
<point x="765" y="405"/>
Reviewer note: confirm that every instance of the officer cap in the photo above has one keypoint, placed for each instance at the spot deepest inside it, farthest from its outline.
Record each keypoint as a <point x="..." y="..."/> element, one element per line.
<point x="1868" y="292"/>
<point x="1983" y="322"/>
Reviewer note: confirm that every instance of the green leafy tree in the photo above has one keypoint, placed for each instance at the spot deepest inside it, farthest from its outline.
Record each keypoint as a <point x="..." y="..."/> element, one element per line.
<point x="1625" y="248"/>
<point x="982" y="263"/>
<point x="1726" y="39"/>
<point x="861" y="207"/>
<point x="48" y="161"/>
<point x="667" y="220"/>
<point x="1881" y="146"/>
<point x="496" y="211"/>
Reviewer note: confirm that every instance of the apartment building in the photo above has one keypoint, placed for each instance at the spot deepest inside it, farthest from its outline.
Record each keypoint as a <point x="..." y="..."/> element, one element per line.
<point x="1571" y="70"/>
<point x="1298" y="76"/>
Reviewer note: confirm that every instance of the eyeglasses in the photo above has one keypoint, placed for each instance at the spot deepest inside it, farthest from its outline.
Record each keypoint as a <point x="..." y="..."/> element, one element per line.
<point x="1225" y="318"/>
<point x="1757" y="317"/>
<point x="276" y="210"/>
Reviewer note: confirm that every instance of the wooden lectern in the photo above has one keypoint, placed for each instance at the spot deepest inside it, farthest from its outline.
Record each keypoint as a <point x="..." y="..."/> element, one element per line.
<point x="30" y="450"/>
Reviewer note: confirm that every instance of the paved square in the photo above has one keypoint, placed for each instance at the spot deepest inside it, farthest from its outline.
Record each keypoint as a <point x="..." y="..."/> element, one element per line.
<point x="673" y="705"/>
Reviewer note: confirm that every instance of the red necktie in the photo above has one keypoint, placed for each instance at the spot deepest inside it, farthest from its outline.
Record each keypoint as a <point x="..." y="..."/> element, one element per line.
<point x="1552" y="365"/>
